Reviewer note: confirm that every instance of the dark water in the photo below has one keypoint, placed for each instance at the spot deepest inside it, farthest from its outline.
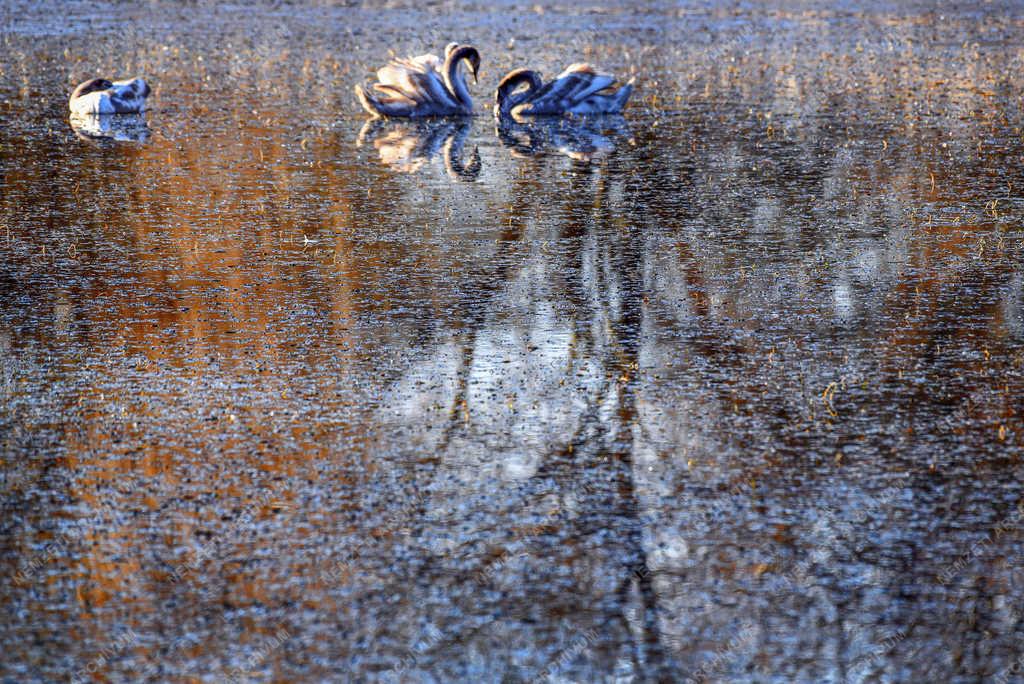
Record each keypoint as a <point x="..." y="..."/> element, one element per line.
<point x="729" y="389"/>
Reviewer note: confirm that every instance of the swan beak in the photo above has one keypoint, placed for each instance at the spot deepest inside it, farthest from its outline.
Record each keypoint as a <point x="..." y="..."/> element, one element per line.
<point x="474" y="61"/>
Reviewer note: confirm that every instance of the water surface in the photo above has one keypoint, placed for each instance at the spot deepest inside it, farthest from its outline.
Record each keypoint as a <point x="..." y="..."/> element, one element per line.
<point x="727" y="389"/>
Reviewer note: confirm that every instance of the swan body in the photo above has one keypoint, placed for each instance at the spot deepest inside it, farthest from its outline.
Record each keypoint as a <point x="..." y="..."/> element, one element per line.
<point x="423" y="86"/>
<point x="579" y="90"/>
<point x="101" y="96"/>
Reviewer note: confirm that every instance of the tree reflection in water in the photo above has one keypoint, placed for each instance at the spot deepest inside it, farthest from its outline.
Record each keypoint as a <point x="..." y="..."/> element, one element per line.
<point x="729" y="399"/>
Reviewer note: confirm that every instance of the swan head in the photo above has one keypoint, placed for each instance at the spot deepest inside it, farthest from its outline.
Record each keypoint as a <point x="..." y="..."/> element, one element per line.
<point x="506" y="97"/>
<point x="455" y="53"/>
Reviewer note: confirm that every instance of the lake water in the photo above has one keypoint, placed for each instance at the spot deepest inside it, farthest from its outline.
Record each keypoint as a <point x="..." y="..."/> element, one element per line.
<point x="727" y="389"/>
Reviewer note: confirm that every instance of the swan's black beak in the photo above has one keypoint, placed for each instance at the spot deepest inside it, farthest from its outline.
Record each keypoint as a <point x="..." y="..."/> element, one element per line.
<point x="474" y="61"/>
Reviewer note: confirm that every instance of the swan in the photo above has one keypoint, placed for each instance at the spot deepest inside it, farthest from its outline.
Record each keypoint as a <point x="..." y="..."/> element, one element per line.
<point x="580" y="89"/>
<point x="423" y="86"/>
<point x="101" y="96"/>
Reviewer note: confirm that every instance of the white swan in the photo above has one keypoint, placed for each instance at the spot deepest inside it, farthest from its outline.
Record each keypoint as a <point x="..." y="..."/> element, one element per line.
<point x="101" y="96"/>
<point x="580" y="89"/>
<point x="423" y="86"/>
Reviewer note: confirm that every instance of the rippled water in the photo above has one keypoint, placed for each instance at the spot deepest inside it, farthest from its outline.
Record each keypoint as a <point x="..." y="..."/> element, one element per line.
<point x="727" y="389"/>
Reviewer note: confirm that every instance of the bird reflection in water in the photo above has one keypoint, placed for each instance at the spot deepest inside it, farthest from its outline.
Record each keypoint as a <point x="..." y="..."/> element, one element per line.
<point x="581" y="139"/>
<point x="406" y="146"/>
<point x="110" y="127"/>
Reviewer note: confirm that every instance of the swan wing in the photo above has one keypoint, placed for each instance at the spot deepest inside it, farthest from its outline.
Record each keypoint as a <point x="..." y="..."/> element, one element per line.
<point x="553" y="96"/>
<point x="606" y="102"/>
<point x="397" y="69"/>
<point x="591" y="87"/>
<point x="586" y="80"/>
<point x="129" y="96"/>
<point x="392" y="94"/>
<point x="397" y="75"/>
<point x="399" y="72"/>
<point x="385" y="101"/>
<point x="428" y="62"/>
<point x="567" y="91"/>
<point x="418" y="79"/>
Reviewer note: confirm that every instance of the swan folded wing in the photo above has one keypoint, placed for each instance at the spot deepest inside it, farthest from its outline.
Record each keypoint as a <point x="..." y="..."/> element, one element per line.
<point x="585" y="80"/>
<point x="397" y="70"/>
<point x="590" y="84"/>
<point x="397" y="75"/>
<point x="129" y="96"/>
<point x="126" y="101"/>
<point x="568" y="90"/>
<point x="386" y="93"/>
<point x="385" y="101"/>
<point x="434" y="85"/>
<point x="605" y="102"/>
<point x="93" y="103"/>
<point x="427" y="62"/>
<point x="415" y="79"/>
<point x="552" y="97"/>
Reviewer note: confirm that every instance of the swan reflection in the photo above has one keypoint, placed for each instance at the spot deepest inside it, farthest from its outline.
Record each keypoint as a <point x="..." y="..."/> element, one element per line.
<point x="406" y="146"/>
<point x="121" y="127"/>
<point x="584" y="139"/>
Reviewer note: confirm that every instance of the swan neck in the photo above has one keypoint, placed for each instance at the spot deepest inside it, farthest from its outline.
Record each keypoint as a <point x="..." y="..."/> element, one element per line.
<point x="507" y="95"/>
<point x="455" y="80"/>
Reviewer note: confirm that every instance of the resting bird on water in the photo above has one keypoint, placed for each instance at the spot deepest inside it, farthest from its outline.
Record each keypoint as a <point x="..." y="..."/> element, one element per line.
<point x="580" y="89"/>
<point x="423" y="86"/>
<point x="100" y="96"/>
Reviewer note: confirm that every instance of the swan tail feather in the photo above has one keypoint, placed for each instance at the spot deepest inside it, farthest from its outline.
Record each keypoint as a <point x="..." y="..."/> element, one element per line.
<point x="393" y="106"/>
<point x="622" y="96"/>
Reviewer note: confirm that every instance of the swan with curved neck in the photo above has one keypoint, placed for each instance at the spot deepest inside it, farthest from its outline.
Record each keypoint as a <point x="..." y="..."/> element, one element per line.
<point x="509" y="93"/>
<point x="579" y="90"/>
<point x="454" y="80"/>
<point x="423" y="86"/>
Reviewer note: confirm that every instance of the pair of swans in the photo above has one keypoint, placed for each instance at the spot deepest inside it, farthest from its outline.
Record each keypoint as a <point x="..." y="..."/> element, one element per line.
<point x="428" y="86"/>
